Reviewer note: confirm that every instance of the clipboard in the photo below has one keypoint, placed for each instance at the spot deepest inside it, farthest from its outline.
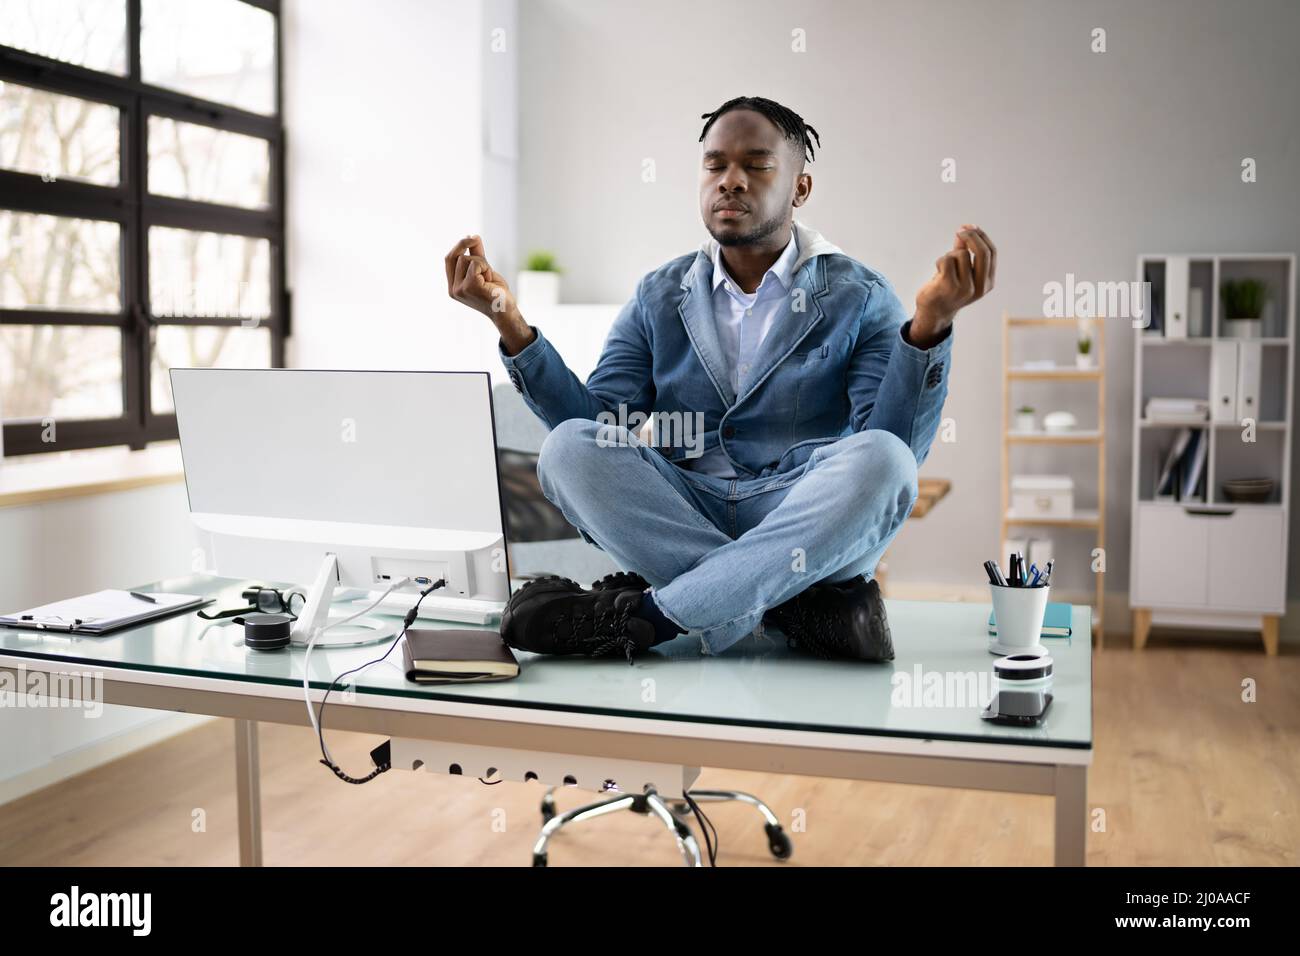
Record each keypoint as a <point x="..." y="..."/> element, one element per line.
<point x="103" y="611"/>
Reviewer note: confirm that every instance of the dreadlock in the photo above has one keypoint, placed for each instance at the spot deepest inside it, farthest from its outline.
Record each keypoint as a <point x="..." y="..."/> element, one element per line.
<point x="790" y="123"/>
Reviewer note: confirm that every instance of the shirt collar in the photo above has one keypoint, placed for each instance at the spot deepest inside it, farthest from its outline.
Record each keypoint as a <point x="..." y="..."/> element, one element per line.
<point x="782" y="269"/>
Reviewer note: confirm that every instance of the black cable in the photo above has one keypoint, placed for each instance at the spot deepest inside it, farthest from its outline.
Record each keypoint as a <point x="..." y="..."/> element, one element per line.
<point x="707" y="828"/>
<point x="407" y="621"/>
<point x="706" y="825"/>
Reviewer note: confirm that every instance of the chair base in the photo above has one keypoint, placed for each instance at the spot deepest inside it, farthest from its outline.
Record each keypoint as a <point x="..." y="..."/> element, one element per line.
<point x="674" y="815"/>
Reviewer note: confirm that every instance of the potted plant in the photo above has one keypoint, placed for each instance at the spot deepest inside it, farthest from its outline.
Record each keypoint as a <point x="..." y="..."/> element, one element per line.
<point x="1083" y="353"/>
<point x="1025" y="418"/>
<point x="539" y="282"/>
<point x="1243" y="303"/>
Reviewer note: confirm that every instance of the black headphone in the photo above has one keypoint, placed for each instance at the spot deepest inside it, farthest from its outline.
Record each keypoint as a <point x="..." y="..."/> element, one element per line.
<point x="266" y="601"/>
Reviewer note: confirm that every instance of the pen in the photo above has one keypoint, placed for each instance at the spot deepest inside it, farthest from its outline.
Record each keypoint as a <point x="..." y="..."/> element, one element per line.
<point x="995" y="574"/>
<point x="1047" y="573"/>
<point x="1034" y="574"/>
<point x="988" y="569"/>
<point x="143" y="597"/>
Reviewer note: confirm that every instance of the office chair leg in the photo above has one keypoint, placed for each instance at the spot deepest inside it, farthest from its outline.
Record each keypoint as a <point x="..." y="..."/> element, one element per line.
<point x="690" y="850"/>
<point x="588" y="812"/>
<point x="778" y="841"/>
<point x="647" y="803"/>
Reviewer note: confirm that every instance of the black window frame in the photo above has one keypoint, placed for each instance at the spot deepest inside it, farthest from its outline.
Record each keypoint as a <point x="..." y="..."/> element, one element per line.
<point x="136" y="210"/>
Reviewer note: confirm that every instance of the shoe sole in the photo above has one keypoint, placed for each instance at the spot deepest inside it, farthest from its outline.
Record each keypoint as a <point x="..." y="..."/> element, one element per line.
<point x="619" y="581"/>
<point x="539" y="586"/>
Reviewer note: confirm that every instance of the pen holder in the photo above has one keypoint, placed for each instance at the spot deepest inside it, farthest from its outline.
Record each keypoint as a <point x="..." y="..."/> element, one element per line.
<point x="1018" y="615"/>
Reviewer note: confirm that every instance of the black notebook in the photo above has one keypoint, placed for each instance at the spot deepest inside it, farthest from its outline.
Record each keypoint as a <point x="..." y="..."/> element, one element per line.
<point x="457" y="656"/>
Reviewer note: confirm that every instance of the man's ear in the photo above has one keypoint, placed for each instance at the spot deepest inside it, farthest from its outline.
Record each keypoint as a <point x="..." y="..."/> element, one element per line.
<point x="802" y="189"/>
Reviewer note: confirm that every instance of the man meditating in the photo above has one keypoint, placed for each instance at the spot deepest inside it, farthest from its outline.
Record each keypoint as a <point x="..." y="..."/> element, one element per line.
<point x="818" y="398"/>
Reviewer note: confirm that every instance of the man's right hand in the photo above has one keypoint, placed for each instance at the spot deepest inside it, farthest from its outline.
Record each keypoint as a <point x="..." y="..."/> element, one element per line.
<point x="472" y="281"/>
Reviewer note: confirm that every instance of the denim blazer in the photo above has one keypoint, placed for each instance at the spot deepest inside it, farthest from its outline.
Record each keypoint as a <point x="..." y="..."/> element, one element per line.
<point x="833" y="364"/>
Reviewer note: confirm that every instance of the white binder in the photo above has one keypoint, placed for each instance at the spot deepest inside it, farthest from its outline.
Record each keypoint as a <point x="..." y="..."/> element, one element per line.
<point x="1177" y="280"/>
<point x="1249" y="358"/>
<point x="1223" y="381"/>
<point x="1196" y="313"/>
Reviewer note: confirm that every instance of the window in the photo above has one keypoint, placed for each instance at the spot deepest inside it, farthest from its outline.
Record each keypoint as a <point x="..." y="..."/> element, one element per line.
<point x="141" y="210"/>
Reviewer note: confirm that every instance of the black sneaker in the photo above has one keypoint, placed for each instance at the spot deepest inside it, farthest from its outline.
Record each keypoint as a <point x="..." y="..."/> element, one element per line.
<point x="554" y="615"/>
<point x="842" y="620"/>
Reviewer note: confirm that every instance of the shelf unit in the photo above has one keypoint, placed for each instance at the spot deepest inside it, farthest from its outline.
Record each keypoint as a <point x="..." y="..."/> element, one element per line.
<point x="1083" y="518"/>
<point x="1213" y="562"/>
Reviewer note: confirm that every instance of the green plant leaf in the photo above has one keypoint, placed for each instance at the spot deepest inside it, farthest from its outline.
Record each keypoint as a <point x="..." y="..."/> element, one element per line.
<point x="541" y="261"/>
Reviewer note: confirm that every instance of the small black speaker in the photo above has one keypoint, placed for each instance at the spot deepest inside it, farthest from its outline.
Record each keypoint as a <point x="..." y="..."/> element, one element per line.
<point x="266" y="632"/>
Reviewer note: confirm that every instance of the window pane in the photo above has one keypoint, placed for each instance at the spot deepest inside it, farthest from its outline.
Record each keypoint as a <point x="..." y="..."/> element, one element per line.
<point x="53" y="262"/>
<point x="89" y="33"/>
<point x="61" y="137"/>
<point x="208" y="274"/>
<point x="210" y="165"/>
<point x="60" y="372"/>
<point x="221" y="50"/>
<point x="188" y="346"/>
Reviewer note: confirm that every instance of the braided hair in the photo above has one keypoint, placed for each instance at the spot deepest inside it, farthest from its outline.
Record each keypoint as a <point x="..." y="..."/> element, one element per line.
<point x="790" y="123"/>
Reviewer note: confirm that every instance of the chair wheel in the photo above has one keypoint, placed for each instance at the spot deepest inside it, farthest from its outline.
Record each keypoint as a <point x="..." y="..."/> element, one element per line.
<point x="539" y="859"/>
<point x="778" y="842"/>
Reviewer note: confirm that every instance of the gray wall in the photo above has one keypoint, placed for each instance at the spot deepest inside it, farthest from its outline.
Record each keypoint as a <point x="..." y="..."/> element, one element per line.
<point x="1073" y="161"/>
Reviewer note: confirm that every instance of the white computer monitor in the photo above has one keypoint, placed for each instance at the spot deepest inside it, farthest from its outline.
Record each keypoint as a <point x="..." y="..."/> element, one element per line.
<point x="347" y="479"/>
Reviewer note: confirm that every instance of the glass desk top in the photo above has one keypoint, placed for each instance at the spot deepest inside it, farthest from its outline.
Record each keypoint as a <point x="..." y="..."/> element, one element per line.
<point x="935" y="687"/>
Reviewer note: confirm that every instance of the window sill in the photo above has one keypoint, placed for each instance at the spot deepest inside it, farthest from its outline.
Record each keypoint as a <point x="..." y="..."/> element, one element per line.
<point x="34" y="479"/>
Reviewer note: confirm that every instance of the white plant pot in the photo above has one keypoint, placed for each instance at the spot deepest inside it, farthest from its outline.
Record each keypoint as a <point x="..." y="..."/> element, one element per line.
<point x="1083" y="360"/>
<point x="1024" y="421"/>
<point x="538" y="289"/>
<point x="1242" y="328"/>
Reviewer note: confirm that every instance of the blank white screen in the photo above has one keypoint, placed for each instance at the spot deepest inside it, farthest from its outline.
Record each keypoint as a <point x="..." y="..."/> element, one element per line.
<point x="412" y="449"/>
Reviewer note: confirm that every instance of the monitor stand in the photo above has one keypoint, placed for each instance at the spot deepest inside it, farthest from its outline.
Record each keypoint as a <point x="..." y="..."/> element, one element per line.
<point x="316" y="616"/>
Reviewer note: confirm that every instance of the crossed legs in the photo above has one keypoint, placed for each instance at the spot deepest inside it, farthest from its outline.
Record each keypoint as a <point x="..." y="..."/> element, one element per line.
<point x="832" y="520"/>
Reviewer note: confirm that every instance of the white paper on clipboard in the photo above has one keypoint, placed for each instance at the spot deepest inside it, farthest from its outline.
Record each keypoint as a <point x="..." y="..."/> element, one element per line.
<point x="101" y="611"/>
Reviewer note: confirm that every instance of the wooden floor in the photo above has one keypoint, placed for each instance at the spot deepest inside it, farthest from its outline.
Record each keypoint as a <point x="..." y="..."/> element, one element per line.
<point x="1185" y="771"/>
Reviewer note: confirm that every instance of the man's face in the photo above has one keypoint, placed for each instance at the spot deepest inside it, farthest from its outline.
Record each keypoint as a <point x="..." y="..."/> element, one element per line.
<point x="750" y="179"/>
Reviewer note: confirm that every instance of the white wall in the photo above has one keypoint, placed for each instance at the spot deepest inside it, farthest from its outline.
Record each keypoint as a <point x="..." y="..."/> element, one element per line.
<point x="1073" y="161"/>
<point x="389" y="163"/>
<point x="75" y="546"/>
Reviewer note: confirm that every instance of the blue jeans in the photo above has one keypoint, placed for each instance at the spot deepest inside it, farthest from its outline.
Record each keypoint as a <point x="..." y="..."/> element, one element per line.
<point x="718" y="552"/>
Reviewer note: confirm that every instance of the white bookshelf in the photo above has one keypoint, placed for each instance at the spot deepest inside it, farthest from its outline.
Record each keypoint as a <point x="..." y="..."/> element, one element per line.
<point x="1083" y="521"/>
<point x="1213" y="562"/>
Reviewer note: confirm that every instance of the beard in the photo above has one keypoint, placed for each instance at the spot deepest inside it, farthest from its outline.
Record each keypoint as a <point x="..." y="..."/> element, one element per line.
<point x="759" y="233"/>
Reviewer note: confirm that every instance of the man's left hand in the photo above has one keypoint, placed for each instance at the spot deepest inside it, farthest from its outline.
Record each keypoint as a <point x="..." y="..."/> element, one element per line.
<point x="962" y="275"/>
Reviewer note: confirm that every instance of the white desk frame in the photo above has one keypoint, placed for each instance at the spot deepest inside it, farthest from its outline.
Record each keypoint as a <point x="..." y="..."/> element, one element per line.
<point x="1061" y="772"/>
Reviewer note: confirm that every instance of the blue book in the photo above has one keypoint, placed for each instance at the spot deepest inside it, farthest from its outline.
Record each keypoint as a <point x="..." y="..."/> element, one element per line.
<point x="1056" y="621"/>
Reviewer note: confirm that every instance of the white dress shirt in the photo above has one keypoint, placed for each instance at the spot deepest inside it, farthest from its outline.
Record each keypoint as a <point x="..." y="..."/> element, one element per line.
<point x="743" y="321"/>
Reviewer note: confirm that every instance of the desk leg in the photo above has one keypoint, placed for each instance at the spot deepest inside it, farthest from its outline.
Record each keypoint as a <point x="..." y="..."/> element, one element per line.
<point x="249" y="793"/>
<point x="1071" y="815"/>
